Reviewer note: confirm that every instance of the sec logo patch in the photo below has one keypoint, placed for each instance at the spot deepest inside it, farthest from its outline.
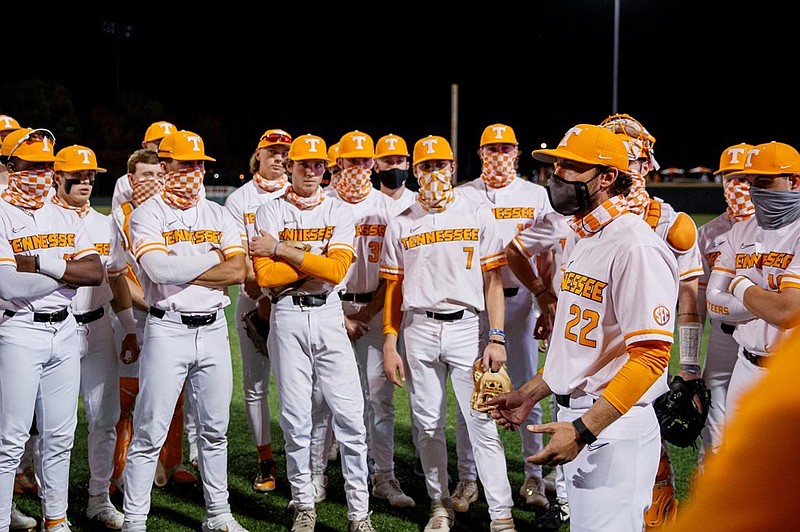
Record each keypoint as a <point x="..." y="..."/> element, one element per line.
<point x="661" y="315"/>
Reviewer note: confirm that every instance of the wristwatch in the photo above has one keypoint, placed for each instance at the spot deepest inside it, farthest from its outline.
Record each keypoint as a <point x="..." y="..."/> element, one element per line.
<point x="584" y="434"/>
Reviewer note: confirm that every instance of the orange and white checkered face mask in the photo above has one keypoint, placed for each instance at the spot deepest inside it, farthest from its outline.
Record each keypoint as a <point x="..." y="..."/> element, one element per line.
<point x="81" y="211"/>
<point x="28" y="188"/>
<point x="638" y="198"/>
<point x="436" y="189"/>
<point x="498" y="169"/>
<point x="182" y="188"/>
<point x="269" y="185"/>
<point x="145" y="188"/>
<point x="353" y="184"/>
<point x="303" y="203"/>
<point x="737" y="196"/>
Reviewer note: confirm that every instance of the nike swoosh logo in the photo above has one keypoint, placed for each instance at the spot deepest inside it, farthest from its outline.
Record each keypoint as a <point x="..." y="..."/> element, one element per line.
<point x="595" y="446"/>
<point x="785" y="166"/>
<point x="171" y="223"/>
<point x="417" y="227"/>
<point x="603" y="157"/>
<point x="747" y="245"/>
<point x="17" y="229"/>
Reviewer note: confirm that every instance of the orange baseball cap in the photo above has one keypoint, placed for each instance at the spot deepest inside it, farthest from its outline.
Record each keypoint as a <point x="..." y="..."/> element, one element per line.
<point x="12" y="138"/>
<point x="590" y="144"/>
<point x="76" y="158"/>
<point x="159" y="130"/>
<point x="34" y="145"/>
<point x="183" y="146"/>
<point x="356" y="145"/>
<point x="498" y="134"/>
<point x="8" y="124"/>
<point x="432" y="148"/>
<point x="771" y="158"/>
<point x="272" y="137"/>
<point x="732" y="159"/>
<point x="391" y="144"/>
<point x="333" y="154"/>
<point x="307" y="147"/>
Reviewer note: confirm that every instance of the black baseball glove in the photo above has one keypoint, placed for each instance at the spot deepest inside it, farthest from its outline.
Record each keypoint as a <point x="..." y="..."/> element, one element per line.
<point x="257" y="330"/>
<point x="682" y="411"/>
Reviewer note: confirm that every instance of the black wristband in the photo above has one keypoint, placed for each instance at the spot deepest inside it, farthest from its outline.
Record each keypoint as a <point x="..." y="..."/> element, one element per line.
<point x="36" y="267"/>
<point x="500" y="342"/>
<point x="584" y="434"/>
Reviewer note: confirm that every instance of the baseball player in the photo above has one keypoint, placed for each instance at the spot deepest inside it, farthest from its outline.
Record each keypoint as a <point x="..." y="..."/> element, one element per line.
<point x="152" y="136"/>
<point x="189" y="250"/>
<point x="611" y="340"/>
<point x="39" y="350"/>
<point x="7" y="125"/>
<point x="75" y="173"/>
<point x="756" y="277"/>
<point x="680" y="233"/>
<point x="515" y="204"/>
<point x="363" y="307"/>
<point x="546" y="237"/>
<point x="268" y="166"/>
<point x="392" y="169"/>
<point x="147" y="179"/>
<point x="24" y="480"/>
<point x="439" y="317"/>
<point x="302" y="255"/>
<point x="393" y="172"/>
<point x="722" y="349"/>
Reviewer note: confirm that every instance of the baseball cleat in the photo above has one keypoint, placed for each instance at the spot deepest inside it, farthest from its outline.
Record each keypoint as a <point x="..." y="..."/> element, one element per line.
<point x="466" y="492"/>
<point x="266" y="477"/>
<point x="386" y="486"/>
<point x="101" y="509"/>
<point x="20" y="521"/>
<point x="532" y="492"/>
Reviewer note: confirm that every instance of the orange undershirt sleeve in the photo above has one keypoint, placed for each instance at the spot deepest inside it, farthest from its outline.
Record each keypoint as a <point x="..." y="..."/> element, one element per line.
<point x="646" y="363"/>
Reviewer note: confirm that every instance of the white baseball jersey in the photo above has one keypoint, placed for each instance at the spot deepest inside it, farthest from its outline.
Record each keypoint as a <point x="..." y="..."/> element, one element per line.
<point x="602" y="306"/>
<point x="371" y="216"/>
<point x="516" y="207"/>
<point x="710" y="237"/>
<point x="433" y="246"/>
<point x="408" y="198"/>
<point x="550" y="232"/>
<point x="100" y="231"/>
<point x="50" y="231"/>
<point x="325" y="227"/>
<point x="767" y="258"/>
<point x="243" y="203"/>
<point x="155" y="226"/>
<point x="123" y="191"/>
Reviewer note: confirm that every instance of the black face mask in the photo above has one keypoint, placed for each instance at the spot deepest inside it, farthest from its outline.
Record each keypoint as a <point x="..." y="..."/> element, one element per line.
<point x="393" y="178"/>
<point x="568" y="197"/>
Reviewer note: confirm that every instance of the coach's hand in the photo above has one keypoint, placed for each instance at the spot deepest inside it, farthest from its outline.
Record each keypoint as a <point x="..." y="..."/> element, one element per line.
<point x="511" y="409"/>
<point x="563" y="446"/>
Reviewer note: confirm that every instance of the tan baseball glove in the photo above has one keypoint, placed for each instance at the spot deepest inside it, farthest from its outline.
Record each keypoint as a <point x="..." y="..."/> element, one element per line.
<point x="488" y="385"/>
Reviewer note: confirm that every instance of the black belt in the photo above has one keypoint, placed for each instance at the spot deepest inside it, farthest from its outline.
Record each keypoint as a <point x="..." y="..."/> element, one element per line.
<point x="727" y="328"/>
<point x="511" y="292"/>
<point x="453" y="316"/>
<point x="358" y="298"/>
<point x="89" y="317"/>
<point x="307" y="300"/>
<point x="44" y="317"/>
<point x="190" y="320"/>
<point x="757" y="360"/>
<point x="563" y="399"/>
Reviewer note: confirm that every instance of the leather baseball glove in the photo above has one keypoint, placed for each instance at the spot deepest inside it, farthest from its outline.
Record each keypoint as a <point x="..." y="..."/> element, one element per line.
<point x="257" y="330"/>
<point x="488" y="385"/>
<point x="682" y="411"/>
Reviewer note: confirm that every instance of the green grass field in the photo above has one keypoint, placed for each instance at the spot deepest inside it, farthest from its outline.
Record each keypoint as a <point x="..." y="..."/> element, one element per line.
<point x="183" y="510"/>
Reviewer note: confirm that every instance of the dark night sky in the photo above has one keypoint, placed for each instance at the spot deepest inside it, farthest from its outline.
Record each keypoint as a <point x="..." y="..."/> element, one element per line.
<point x="698" y="81"/>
